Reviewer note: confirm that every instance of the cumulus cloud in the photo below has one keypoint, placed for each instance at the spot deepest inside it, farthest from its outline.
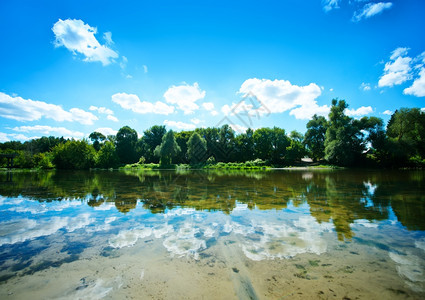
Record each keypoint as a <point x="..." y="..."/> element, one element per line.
<point x="402" y="68"/>
<point x="101" y="110"/>
<point x="185" y="97"/>
<point x="106" y="131"/>
<point x="418" y="87"/>
<point x="277" y="96"/>
<point x="180" y="125"/>
<point x="6" y="137"/>
<point x="79" y="37"/>
<point x="209" y="106"/>
<point x="328" y="5"/>
<point x="370" y="10"/>
<point x="20" y="109"/>
<point x="387" y="112"/>
<point x="361" y="111"/>
<point x="48" y="130"/>
<point x="397" y="70"/>
<point x="132" y="102"/>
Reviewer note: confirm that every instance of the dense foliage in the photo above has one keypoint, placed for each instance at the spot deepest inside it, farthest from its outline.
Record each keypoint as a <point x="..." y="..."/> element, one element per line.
<point x="338" y="140"/>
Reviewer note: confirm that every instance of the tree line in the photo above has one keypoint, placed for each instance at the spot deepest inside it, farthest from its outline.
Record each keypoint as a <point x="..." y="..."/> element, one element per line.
<point x="338" y="140"/>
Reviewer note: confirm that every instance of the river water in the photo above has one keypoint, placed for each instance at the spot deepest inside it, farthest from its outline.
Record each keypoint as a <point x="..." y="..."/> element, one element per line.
<point x="299" y="234"/>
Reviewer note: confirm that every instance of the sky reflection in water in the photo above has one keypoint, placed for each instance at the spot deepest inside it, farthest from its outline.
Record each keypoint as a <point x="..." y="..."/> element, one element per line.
<point x="48" y="219"/>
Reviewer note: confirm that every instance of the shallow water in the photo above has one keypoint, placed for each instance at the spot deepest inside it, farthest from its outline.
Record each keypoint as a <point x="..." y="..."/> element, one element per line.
<point x="212" y="235"/>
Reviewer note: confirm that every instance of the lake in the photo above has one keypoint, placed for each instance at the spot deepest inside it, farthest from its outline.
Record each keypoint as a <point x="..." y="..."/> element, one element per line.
<point x="282" y="234"/>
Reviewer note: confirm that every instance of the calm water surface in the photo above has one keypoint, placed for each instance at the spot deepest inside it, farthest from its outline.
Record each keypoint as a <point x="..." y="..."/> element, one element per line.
<point x="212" y="235"/>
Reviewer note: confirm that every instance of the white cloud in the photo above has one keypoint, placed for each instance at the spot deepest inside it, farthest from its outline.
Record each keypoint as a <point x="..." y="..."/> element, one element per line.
<point x="180" y="125"/>
<point x="398" y="70"/>
<point x="78" y="37"/>
<point x="208" y="106"/>
<point x="423" y="109"/>
<point x="400" y="51"/>
<point x="328" y="5"/>
<point x="418" y="87"/>
<point x="145" y="68"/>
<point x="20" y="109"/>
<point x="107" y="36"/>
<point x="195" y="121"/>
<point x="278" y="96"/>
<point x="132" y="102"/>
<point x="48" y="130"/>
<point x="123" y="63"/>
<point x="387" y="112"/>
<point x="106" y="131"/>
<point x="101" y="110"/>
<point x="307" y="111"/>
<point x="6" y="137"/>
<point x="331" y="90"/>
<point x="361" y="111"/>
<point x="370" y="10"/>
<point x="3" y="137"/>
<point x="185" y="97"/>
<point x="365" y="86"/>
<point x="112" y="118"/>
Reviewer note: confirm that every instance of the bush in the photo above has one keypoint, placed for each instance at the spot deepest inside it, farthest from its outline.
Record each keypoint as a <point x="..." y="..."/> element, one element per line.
<point x="43" y="161"/>
<point x="74" y="155"/>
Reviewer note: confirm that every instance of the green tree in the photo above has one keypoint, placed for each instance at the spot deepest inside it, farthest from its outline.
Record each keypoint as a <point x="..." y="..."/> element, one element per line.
<point x="107" y="156"/>
<point x="125" y="144"/>
<point x="196" y="149"/>
<point x="151" y="139"/>
<point x="226" y="143"/>
<point x="74" y="155"/>
<point x="167" y="149"/>
<point x="406" y="132"/>
<point x="97" y="138"/>
<point x="244" y="146"/>
<point x="315" y="136"/>
<point x="182" y="138"/>
<point x="270" y="144"/>
<point x="211" y="136"/>
<point x="343" y="144"/>
<point x="296" y="149"/>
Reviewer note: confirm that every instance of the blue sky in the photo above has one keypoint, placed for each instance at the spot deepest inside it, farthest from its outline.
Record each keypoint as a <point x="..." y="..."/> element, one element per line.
<point x="68" y="68"/>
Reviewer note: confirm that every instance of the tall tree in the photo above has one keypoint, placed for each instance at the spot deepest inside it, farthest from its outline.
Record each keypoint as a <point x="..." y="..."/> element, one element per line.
<point x="315" y="136"/>
<point x="196" y="149"/>
<point x="167" y="149"/>
<point x="182" y="138"/>
<point x="107" y="156"/>
<point x="270" y="144"/>
<point x="296" y="149"/>
<point x="226" y="143"/>
<point x="244" y="144"/>
<point x="125" y="143"/>
<point x="406" y="131"/>
<point x="343" y="143"/>
<point x="97" y="138"/>
<point x="150" y="140"/>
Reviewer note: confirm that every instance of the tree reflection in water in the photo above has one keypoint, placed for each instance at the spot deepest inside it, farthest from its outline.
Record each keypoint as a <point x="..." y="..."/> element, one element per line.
<point x="340" y="197"/>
